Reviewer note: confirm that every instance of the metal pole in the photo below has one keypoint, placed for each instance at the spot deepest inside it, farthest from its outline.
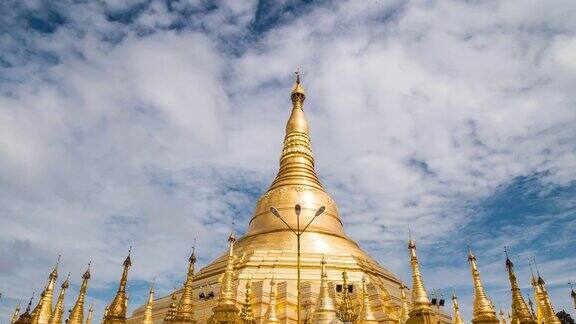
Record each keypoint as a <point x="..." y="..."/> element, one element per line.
<point x="298" y="266"/>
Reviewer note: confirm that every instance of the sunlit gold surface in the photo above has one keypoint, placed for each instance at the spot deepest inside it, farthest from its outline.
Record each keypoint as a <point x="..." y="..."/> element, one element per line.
<point x="185" y="309"/>
<point x="116" y="311"/>
<point x="456" y="316"/>
<point x="56" y="317"/>
<point x="484" y="311"/>
<point x="269" y="249"/>
<point x="43" y="311"/>
<point x="26" y="317"/>
<point x="546" y="313"/>
<point x="148" y="312"/>
<point x="77" y="314"/>
<point x="520" y="311"/>
<point x="16" y="313"/>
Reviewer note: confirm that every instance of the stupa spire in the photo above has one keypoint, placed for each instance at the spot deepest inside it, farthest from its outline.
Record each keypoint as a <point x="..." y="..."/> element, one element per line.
<point x="43" y="311"/>
<point x="26" y="317"/>
<point x="16" y="313"/>
<point x="77" y="313"/>
<point x="346" y="312"/>
<point x="272" y="311"/>
<point x="297" y="160"/>
<point x="247" y="314"/>
<point x="171" y="310"/>
<point x="117" y="309"/>
<point x="185" y="308"/>
<point x="325" y="308"/>
<point x="148" y="311"/>
<point x="226" y="310"/>
<point x="90" y="314"/>
<point x="457" y="317"/>
<point x="546" y="311"/>
<point x="404" y="306"/>
<point x="483" y="309"/>
<point x="366" y="313"/>
<point x="419" y="295"/>
<point x="56" y="317"/>
<point x="502" y="317"/>
<point x="520" y="311"/>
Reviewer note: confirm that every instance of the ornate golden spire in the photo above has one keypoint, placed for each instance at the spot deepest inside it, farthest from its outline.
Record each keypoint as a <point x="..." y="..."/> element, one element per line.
<point x="26" y="317"/>
<point x="483" y="309"/>
<point x="247" y="314"/>
<point x="90" y="314"/>
<point x="77" y="314"/>
<point x="272" y="312"/>
<point x="404" y="307"/>
<point x="346" y="312"/>
<point x="366" y="313"/>
<point x="325" y="309"/>
<point x="420" y="299"/>
<point x="457" y="318"/>
<point x="56" y="317"/>
<point x="43" y="311"/>
<point x="520" y="311"/>
<point x="226" y="310"/>
<point x="549" y="315"/>
<point x="16" y="313"/>
<point x="148" y="312"/>
<point x="171" y="310"/>
<point x="297" y="160"/>
<point x="185" y="309"/>
<point x="117" y="309"/>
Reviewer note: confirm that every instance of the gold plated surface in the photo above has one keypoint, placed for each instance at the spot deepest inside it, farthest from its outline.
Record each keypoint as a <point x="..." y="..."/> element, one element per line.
<point x="76" y="315"/>
<point x="56" y="317"/>
<point x="483" y="309"/>
<point x="456" y="316"/>
<point x="116" y="313"/>
<point x="269" y="249"/>
<point x="148" y="312"/>
<point x="185" y="309"/>
<point x="520" y="311"/>
<point x="43" y="311"/>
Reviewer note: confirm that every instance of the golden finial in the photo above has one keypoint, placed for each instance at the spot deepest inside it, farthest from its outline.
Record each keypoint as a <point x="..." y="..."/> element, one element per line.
<point x="346" y="312"/>
<point x="185" y="309"/>
<point x="169" y="318"/>
<point x="325" y="309"/>
<point x="77" y="313"/>
<point x="457" y="317"/>
<point x="16" y="312"/>
<point x="272" y="312"/>
<point x="483" y="309"/>
<point x="118" y="308"/>
<point x="366" y="313"/>
<point x="56" y="317"/>
<point x="148" y="311"/>
<point x="298" y="91"/>
<point x="520" y="311"/>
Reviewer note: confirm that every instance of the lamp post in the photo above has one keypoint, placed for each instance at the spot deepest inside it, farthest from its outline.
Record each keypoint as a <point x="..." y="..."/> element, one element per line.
<point x="298" y="232"/>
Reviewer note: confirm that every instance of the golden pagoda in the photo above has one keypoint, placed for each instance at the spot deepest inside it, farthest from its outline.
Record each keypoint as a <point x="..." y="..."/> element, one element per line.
<point x="421" y="311"/>
<point x="56" y="317"/>
<point x="545" y="311"/>
<point x="116" y="311"/>
<point x="16" y="313"/>
<point x="90" y="314"/>
<point x="26" y="317"/>
<point x="77" y="313"/>
<point x="185" y="310"/>
<point x="148" y="313"/>
<point x="405" y="306"/>
<point x="456" y="317"/>
<point x="43" y="310"/>
<point x="269" y="247"/>
<point x="325" y="311"/>
<point x="484" y="312"/>
<point x="246" y="314"/>
<point x="520" y="311"/>
<point x="366" y="313"/>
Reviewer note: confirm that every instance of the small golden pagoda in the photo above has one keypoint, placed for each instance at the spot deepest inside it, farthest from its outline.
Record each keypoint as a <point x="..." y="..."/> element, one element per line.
<point x="116" y="311"/>
<point x="520" y="311"/>
<point x="456" y="316"/>
<point x="484" y="312"/>
<point x="76" y="315"/>
<point x="269" y="248"/>
<point x="43" y="310"/>
<point x="56" y="317"/>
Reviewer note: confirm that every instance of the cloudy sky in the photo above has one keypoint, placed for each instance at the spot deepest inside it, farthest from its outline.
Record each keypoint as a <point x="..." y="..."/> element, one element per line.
<point x="151" y="122"/>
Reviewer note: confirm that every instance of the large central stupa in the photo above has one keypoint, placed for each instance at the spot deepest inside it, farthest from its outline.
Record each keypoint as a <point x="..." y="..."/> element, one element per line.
<point x="267" y="253"/>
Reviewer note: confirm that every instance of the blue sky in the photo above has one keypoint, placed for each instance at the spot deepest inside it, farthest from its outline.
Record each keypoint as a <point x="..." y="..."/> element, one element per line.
<point x="149" y="123"/>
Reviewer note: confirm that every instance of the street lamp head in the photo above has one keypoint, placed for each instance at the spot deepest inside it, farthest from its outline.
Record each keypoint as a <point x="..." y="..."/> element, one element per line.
<point x="275" y="212"/>
<point x="297" y="209"/>
<point x="320" y="210"/>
